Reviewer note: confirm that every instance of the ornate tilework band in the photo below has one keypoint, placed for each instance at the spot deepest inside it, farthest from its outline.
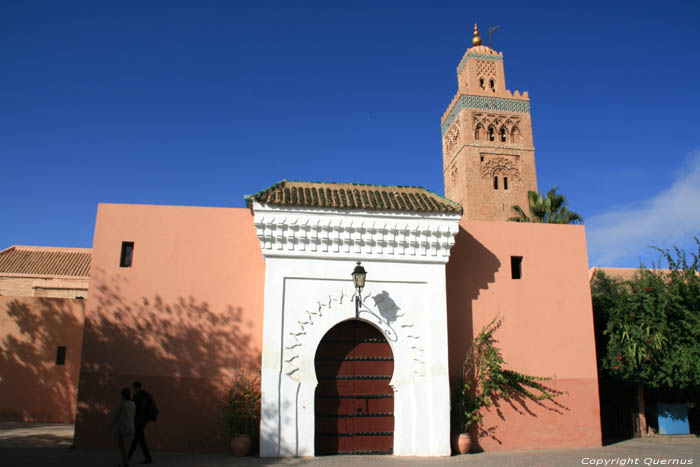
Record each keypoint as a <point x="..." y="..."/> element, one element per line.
<point x="484" y="103"/>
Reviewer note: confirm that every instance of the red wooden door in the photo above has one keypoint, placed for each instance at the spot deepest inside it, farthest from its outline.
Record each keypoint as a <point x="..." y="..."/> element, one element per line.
<point x="354" y="402"/>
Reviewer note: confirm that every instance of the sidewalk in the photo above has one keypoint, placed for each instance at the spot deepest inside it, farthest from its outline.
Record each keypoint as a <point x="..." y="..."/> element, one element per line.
<point x="47" y="445"/>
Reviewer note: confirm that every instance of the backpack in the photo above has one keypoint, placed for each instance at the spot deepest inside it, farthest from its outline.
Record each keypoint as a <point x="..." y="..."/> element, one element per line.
<point x="151" y="409"/>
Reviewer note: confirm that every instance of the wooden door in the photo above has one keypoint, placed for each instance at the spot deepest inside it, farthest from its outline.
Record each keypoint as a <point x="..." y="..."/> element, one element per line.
<point x="354" y="402"/>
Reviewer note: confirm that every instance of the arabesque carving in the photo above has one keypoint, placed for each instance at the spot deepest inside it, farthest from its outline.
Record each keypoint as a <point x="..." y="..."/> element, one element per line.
<point x="486" y="69"/>
<point x="500" y="166"/>
<point x="510" y="124"/>
<point x="452" y="137"/>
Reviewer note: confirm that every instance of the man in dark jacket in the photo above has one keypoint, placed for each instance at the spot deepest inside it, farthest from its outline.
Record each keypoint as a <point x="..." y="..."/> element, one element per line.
<point x="143" y="402"/>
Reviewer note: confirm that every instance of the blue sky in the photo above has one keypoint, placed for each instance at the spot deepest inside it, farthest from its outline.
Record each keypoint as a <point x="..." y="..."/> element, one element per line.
<point x="199" y="103"/>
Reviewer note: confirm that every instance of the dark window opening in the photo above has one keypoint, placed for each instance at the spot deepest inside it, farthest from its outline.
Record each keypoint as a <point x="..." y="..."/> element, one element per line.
<point x="61" y="355"/>
<point x="127" y="254"/>
<point x="505" y="183"/>
<point x="482" y="158"/>
<point x="492" y="134"/>
<point x="503" y="135"/>
<point x="79" y="297"/>
<point x="495" y="182"/>
<point x="516" y="267"/>
<point x="492" y="83"/>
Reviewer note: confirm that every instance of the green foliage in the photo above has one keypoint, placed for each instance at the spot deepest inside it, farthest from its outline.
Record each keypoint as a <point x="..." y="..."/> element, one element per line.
<point x="240" y="410"/>
<point x="549" y="210"/>
<point x="648" y="327"/>
<point x="484" y="380"/>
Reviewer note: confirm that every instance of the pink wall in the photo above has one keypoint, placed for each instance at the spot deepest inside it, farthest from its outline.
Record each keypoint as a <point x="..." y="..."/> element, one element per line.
<point x="189" y="312"/>
<point x="181" y="319"/>
<point x="32" y="386"/>
<point x="547" y="327"/>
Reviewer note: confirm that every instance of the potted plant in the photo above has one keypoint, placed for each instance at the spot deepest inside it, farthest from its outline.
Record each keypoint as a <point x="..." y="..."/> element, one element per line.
<point x="483" y="380"/>
<point x="465" y="415"/>
<point x="240" y="411"/>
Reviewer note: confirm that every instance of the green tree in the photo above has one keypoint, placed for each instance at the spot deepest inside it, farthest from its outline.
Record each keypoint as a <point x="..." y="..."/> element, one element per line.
<point x="648" y="327"/>
<point x="549" y="210"/>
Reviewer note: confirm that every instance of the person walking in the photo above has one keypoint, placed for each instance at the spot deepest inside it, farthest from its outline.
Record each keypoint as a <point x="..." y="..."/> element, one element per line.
<point x="123" y="423"/>
<point x="145" y="409"/>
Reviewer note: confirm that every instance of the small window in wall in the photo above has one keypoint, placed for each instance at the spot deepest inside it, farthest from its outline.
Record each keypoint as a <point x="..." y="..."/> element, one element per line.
<point x="78" y="297"/>
<point x="503" y="135"/>
<point x="482" y="158"/>
<point x="516" y="267"/>
<point x="505" y="183"/>
<point x="492" y="134"/>
<point x="61" y="355"/>
<point x="127" y="254"/>
<point x="492" y="83"/>
<point x="482" y="83"/>
<point x="495" y="182"/>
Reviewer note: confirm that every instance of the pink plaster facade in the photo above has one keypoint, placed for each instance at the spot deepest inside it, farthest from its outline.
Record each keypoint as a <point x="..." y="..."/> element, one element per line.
<point x="547" y="327"/>
<point x="33" y="387"/>
<point x="189" y="311"/>
<point x="181" y="319"/>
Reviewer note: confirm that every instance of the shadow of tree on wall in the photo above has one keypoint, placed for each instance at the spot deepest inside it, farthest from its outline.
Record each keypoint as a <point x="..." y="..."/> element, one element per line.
<point x="32" y="386"/>
<point x="183" y="351"/>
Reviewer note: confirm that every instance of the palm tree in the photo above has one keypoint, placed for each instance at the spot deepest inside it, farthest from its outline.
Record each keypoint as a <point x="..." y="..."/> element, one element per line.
<point x="549" y="210"/>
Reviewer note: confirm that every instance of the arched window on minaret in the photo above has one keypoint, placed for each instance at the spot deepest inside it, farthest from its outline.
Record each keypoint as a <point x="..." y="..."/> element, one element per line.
<point x="479" y="132"/>
<point x="495" y="182"/>
<point x="492" y="134"/>
<point x="503" y="134"/>
<point x="515" y="135"/>
<point x="492" y="83"/>
<point x="482" y="83"/>
<point x="505" y="183"/>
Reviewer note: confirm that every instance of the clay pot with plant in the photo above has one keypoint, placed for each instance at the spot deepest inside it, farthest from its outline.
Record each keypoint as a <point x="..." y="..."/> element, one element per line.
<point x="240" y="412"/>
<point x="483" y="380"/>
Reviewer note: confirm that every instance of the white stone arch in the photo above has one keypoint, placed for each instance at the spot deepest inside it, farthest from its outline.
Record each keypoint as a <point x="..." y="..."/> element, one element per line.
<point x="308" y="290"/>
<point x="303" y="340"/>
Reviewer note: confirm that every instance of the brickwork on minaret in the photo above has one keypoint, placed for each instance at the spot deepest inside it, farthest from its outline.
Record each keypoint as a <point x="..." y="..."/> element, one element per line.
<point x="488" y="153"/>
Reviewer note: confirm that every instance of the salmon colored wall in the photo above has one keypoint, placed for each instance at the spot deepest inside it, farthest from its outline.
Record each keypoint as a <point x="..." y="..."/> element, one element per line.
<point x="181" y="320"/>
<point x="547" y="327"/>
<point x="32" y="387"/>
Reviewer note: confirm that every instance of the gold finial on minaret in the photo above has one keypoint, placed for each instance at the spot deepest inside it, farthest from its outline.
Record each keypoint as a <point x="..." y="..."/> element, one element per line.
<point x="477" y="40"/>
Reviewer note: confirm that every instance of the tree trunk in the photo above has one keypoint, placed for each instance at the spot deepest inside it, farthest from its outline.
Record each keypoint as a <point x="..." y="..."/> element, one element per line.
<point x="641" y="418"/>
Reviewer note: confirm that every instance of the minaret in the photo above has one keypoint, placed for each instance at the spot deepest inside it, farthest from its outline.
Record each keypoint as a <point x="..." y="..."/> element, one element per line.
<point x="488" y="154"/>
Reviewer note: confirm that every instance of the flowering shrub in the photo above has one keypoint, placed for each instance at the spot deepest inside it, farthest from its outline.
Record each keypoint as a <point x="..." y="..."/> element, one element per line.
<point x="648" y="328"/>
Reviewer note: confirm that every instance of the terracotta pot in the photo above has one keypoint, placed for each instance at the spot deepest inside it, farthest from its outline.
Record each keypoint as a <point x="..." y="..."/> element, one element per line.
<point x="240" y="445"/>
<point x="464" y="443"/>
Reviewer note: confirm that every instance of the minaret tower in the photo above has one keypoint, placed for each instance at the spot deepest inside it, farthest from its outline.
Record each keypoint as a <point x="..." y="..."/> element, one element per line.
<point x="488" y="155"/>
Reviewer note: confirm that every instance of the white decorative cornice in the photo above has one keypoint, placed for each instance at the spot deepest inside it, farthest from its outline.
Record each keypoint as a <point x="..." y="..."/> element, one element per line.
<point x="352" y="234"/>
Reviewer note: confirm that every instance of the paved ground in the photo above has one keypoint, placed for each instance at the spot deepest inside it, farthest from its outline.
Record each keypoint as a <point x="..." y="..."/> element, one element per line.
<point x="47" y="445"/>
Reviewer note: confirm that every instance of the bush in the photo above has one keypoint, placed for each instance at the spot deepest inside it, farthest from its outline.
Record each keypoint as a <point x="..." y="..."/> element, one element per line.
<point x="240" y="410"/>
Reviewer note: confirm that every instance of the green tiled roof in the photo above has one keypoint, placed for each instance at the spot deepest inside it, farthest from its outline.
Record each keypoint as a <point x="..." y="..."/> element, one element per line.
<point x="353" y="196"/>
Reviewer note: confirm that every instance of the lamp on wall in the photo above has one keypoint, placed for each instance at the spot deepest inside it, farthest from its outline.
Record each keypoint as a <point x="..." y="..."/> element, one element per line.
<point x="358" y="277"/>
